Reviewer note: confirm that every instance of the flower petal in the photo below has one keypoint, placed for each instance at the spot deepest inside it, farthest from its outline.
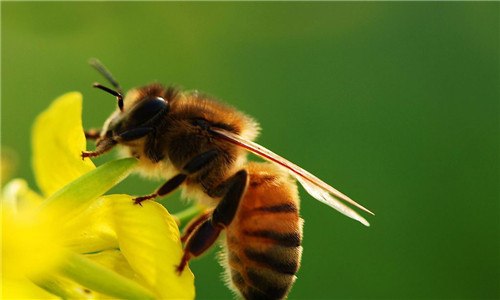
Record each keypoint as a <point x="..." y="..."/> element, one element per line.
<point x="149" y="239"/>
<point x="57" y="141"/>
<point x="92" y="231"/>
<point x="23" y="288"/>
<point x="17" y="196"/>
<point x="29" y="244"/>
<point x="114" y="260"/>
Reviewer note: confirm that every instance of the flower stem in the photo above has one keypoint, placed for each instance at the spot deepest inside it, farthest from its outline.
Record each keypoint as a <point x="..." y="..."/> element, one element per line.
<point x="102" y="280"/>
<point x="73" y="198"/>
<point x="62" y="287"/>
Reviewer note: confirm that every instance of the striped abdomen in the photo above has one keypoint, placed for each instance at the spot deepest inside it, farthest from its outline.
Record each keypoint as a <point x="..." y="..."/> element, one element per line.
<point x="264" y="239"/>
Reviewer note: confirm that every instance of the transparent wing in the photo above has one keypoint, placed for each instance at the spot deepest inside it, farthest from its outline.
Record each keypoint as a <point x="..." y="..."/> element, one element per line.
<point x="317" y="188"/>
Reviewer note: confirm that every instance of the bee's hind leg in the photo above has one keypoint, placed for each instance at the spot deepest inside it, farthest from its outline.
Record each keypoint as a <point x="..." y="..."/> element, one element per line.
<point x="205" y="235"/>
<point x="191" y="226"/>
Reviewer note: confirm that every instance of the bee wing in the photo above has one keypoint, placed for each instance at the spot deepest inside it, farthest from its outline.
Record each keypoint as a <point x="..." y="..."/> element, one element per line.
<point x="312" y="184"/>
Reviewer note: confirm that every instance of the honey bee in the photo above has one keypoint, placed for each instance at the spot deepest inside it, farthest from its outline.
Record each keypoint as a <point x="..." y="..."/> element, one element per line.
<point x="200" y="145"/>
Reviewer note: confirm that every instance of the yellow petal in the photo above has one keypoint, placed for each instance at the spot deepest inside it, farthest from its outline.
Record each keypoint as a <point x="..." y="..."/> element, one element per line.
<point x="22" y="288"/>
<point x="57" y="141"/>
<point x="30" y="245"/>
<point x="92" y="231"/>
<point x="149" y="239"/>
<point x="17" y="196"/>
<point x="114" y="260"/>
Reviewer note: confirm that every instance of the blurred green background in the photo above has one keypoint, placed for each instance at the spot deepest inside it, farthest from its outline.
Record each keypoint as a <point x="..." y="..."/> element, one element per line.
<point x="395" y="104"/>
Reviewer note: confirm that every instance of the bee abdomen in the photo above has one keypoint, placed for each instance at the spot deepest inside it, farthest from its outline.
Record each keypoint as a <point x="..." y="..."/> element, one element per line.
<point x="263" y="263"/>
<point x="264" y="240"/>
<point x="265" y="275"/>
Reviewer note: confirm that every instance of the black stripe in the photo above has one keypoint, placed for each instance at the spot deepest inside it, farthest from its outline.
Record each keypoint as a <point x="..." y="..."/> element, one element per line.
<point x="281" y="264"/>
<point x="264" y="284"/>
<point x="260" y="180"/>
<point x="286" y="207"/>
<point x="291" y="239"/>
<point x="251" y="293"/>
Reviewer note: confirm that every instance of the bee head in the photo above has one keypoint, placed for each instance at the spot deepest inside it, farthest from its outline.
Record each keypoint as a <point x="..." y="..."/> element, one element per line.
<point x="138" y="114"/>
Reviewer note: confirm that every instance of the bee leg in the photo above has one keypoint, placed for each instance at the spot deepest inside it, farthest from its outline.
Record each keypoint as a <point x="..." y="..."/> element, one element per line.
<point x="92" y="134"/>
<point x="102" y="147"/>
<point x="205" y="235"/>
<point x="199" y="162"/>
<point x="194" y="165"/>
<point x="225" y="211"/>
<point x="107" y="143"/>
<point x="191" y="226"/>
<point x="166" y="188"/>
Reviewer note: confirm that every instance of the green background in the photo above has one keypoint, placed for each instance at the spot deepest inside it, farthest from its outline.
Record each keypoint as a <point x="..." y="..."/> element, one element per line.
<point x="395" y="104"/>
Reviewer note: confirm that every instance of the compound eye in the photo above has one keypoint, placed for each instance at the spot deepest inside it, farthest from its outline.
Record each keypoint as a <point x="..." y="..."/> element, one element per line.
<point x="147" y="110"/>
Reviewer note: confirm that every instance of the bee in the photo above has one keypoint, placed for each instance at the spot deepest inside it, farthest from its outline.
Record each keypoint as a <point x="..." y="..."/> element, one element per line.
<point x="200" y="145"/>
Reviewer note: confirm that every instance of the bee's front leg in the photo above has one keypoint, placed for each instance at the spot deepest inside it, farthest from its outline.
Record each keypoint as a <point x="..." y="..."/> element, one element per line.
<point x="103" y="146"/>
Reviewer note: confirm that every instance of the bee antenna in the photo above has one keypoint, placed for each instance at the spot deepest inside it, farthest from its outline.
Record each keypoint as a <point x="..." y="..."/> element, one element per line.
<point x="96" y="64"/>
<point x="117" y="94"/>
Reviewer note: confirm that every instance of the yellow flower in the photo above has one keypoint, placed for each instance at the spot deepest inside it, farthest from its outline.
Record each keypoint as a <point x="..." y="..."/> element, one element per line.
<point x="72" y="242"/>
